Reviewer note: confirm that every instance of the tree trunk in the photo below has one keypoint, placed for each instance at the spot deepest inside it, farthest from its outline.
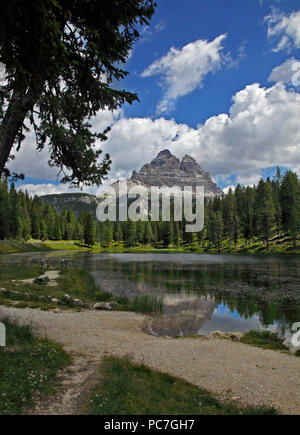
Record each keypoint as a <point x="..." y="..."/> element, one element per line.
<point x="21" y="103"/>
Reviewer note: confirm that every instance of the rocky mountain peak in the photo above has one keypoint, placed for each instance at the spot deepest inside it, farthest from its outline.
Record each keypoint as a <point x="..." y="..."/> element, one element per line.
<point x="164" y="154"/>
<point x="165" y="158"/>
<point x="168" y="170"/>
<point x="189" y="165"/>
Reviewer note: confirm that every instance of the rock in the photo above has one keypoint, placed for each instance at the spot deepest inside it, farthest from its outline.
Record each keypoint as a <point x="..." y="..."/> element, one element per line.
<point x="14" y="294"/>
<point x="236" y="398"/>
<point x="67" y="298"/>
<point x="54" y="301"/>
<point x="42" y="280"/>
<point x="106" y="306"/>
<point x="78" y="303"/>
<point x="2" y="290"/>
<point x="168" y="170"/>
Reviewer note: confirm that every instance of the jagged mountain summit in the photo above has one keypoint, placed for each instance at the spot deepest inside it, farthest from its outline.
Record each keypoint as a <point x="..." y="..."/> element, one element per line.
<point x="168" y="170"/>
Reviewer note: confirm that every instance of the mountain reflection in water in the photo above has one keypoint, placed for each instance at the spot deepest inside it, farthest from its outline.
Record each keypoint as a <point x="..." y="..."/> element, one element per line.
<point x="201" y="293"/>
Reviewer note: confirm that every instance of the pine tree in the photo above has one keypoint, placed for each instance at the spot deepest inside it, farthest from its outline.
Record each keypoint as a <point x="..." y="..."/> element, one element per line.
<point x="107" y="234"/>
<point x="89" y="230"/>
<point x="176" y="234"/>
<point x="248" y="229"/>
<point x="211" y="226"/>
<point x="148" y="234"/>
<point x="56" y="228"/>
<point x="26" y="226"/>
<point x="35" y="224"/>
<point x="79" y="230"/>
<point x="99" y="229"/>
<point x="118" y="234"/>
<point x="140" y="231"/>
<point x="131" y="233"/>
<point x="290" y="204"/>
<point x="44" y="233"/>
<point x="277" y="181"/>
<point x="229" y="210"/>
<point x="167" y="233"/>
<point x="265" y="210"/>
<point x="219" y="229"/>
<point x="236" y="228"/>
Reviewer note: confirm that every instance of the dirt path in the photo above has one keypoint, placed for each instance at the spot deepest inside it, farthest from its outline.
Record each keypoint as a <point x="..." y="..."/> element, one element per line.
<point x="249" y="375"/>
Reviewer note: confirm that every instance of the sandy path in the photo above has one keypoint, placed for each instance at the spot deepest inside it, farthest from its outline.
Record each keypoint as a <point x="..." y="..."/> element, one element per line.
<point x="240" y="372"/>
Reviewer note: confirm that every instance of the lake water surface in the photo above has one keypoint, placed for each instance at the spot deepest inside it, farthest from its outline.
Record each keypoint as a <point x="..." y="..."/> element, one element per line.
<point x="202" y="293"/>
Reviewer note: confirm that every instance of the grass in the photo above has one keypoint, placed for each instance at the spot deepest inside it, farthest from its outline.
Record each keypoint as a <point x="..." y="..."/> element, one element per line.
<point x="28" y="366"/>
<point x="297" y="353"/>
<point x="15" y="246"/>
<point x="129" y="389"/>
<point x="78" y="284"/>
<point x="281" y="245"/>
<point x="264" y="340"/>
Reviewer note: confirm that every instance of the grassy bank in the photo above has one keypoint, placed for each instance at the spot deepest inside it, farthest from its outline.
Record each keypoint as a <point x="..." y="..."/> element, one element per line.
<point x="129" y="389"/>
<point x="261" y="339"/>
<point x="14" y="246"/>
<point x="264" y="340"/>
<point x="76" y="283"/>
<point x="283" y="245"/>
<point x="27" y="366"/>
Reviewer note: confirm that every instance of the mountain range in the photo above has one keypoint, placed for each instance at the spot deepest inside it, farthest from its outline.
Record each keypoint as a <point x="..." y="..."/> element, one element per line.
<point x="164" y="170"/>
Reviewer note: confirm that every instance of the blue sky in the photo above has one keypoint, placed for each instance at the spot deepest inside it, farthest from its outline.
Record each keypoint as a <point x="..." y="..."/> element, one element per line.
<point x="182" y="23"/>
<point x="215" y="81"/>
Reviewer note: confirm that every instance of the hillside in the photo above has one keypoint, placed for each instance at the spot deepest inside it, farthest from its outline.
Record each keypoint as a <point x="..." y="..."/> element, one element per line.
<point x="78" y="202"/>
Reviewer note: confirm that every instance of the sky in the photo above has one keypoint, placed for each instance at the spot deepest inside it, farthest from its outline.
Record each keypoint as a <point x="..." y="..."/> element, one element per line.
<point x="217" y="80"/>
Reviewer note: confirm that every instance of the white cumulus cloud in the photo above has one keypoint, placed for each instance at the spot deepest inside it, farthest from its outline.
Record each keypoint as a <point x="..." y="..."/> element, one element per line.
<point x="262" y="130"/>
<point x="286" y="72"/>
<point x="44" y="189"/>
<point x="34" y="163"/>
<point x="183" y="70"/>
<point x="286" y="27"/>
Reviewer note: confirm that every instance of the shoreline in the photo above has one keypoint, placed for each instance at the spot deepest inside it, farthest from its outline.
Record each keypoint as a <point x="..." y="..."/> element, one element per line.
<point x="16" y="247"/>
<point x="229" y="369"/>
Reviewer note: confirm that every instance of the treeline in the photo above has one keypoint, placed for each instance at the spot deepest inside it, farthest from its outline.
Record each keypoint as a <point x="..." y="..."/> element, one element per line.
<point x="24" y="217"/>
<point x="259" y="213"/>
<point x="246" y="214"/>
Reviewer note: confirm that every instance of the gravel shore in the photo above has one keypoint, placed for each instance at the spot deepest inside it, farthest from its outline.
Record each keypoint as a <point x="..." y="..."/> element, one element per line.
<point x="232" y="370"/>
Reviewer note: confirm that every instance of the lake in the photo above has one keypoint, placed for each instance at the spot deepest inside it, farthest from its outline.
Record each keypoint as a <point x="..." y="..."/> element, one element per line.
<point x="201" y="293"/>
